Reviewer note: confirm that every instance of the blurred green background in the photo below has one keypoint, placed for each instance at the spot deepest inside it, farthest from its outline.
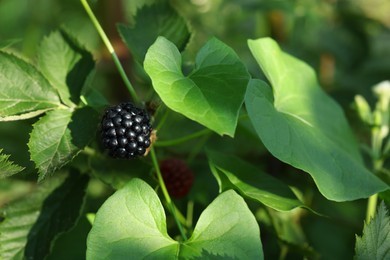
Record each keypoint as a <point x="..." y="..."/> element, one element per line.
<point x="347" y="42"/>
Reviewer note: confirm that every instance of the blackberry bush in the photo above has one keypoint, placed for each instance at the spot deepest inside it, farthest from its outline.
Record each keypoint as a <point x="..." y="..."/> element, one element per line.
<point x="177" y="177"/>
<point x="125" y="131"/>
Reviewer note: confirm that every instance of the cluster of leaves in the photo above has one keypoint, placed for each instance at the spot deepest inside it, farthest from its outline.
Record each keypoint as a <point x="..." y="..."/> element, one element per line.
<point x="53" y="86"/>
<point x="296" y="121"/>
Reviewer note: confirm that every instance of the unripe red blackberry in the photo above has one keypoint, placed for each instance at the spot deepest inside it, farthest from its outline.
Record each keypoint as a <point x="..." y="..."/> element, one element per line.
<point x="177" y="176"/>
<point x="125" y="131"/>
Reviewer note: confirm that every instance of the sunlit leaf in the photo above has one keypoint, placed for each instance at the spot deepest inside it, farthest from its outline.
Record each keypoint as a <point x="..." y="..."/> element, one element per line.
<point x="7" y="167"/>
<point x="302" y="126"/>
<point x="252" y="183"/>
<point x="59" y="135"/>
<point x="212" y="94"/>
<point x="24" y="91"/>
<point x="132" y="222"/>
<point x="375" y="242"/>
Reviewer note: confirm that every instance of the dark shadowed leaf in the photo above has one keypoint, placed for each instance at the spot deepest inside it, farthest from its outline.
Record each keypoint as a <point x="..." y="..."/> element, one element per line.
<point x="65" y="64"/>
<point x="20" y="216"/>
<point x="116" y="172"/>
<point x="159" y="19"/>
<point x="59" y="213"/>
<point x="8" y="43"/>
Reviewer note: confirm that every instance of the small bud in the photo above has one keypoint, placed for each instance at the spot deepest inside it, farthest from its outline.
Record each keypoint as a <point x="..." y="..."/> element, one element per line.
<point x="363" y="109"/>
<point x="382" y="91"/>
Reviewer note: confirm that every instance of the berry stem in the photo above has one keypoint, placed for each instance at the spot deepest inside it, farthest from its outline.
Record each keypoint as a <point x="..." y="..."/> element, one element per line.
<point x="171" y="206"/>
<point x="190" y="213"/>
<point x="163" y="119"/>
<point x="371" y="207"/>
<point x="376" y="144"/>
<point x="183" y="139"/>
<point x="111" y="50"/>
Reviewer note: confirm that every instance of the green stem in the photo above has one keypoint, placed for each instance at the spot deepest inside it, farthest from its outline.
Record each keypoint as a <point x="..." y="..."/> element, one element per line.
<point x="164" y="190"/>
<point x="377" y="162"/>
<point x="111" y="50"/>
<point x="89" y="151"/>
<point x="371" y="207"/>
<point x="190" y="213"/>
<point x="163" y="119"/>
<point x="182" y="139"/>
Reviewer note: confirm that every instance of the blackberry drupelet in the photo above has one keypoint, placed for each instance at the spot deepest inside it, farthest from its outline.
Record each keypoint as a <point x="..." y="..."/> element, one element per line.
<point x="125" y="131"/>
<point x="178" y="178"/>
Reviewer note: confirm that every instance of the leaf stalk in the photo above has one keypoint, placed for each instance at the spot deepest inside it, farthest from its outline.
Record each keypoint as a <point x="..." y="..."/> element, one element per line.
<point x="183" y="139"/>
<point x="164" y="190"/>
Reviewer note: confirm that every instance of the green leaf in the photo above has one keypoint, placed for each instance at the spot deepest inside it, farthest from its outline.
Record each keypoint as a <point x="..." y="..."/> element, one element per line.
<point x="19" y="217"/>
<point x="302" y="126"/>
<point x="132" y="222"/>
<point x="59" y="213"/>
<point x="375" y="242"/>
<point x="7" y="43"/>
<point x="65" y="64"/>
<point x="91" y="96"/>
<point x="214" y="91"/>
<point x="159" y="19"/>
<point x="116" y="172"/>
<point x="226" y="229"/>
<point x="58" y="137"/>
<point x="251" y="183"/>
<point x="24" y="92"/>
<point x="8" y="168"/>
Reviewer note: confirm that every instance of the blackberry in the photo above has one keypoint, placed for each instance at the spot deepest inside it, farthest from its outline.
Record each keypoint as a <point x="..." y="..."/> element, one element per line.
<point x="178" y="178"/>
<point x="125" y="131"/>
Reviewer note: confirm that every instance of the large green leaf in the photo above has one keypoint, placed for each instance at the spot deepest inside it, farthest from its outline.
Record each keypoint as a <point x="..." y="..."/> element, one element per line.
<point x="65" y="64"/>
<point x="132" y="223"/>
<point x="59" y="213"/>
<point x="213" y="92"/>
<point x="252" y="183"/>
<point x="24" y="92"/>
<point x="375" y="242"/>
<point x="59" y="135"/>
<point x="226" y="229"/>
<point x="7" y="167"/>
<point x="302" y="126"/>
<point x="159" y="19"/>
<point x="19" y="217"/>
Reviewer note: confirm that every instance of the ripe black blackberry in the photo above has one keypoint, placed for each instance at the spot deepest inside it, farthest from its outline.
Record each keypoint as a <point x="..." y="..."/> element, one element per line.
<point x="125" y="131"/>
<point x="178" y="178"/>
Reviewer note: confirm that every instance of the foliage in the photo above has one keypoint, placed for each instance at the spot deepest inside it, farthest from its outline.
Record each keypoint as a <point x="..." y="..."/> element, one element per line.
<point x="274" y="149"/>
<point x="375" y="242"/>
<point x="8" y="168"/>
<point x="132" y="222"/>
